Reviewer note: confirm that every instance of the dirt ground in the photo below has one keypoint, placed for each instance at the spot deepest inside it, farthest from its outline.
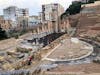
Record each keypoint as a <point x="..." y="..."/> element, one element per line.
<point x="86" y="68"/>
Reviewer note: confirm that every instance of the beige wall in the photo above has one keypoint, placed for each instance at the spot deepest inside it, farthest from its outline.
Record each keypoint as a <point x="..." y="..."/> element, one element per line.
<point x="5" y="24"/>
<point x="97" y="3"/>
<point x="49" y="26"/>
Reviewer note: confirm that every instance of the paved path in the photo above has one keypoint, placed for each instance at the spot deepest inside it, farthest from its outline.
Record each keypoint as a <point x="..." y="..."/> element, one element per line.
<point x="68" y="50"/>
<point x="42" y="60"/>
<point x="51" y="52"/>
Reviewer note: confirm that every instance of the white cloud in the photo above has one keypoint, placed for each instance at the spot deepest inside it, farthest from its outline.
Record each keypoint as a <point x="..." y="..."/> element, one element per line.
<point x="33" y="5"/>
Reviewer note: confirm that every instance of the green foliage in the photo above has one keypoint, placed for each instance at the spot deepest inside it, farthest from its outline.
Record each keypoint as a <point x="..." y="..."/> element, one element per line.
<point x="22" y="50"/>
<point x="22" y="32"/>
<point x="96" y="61"/>
<point x="16" y="36"/>
<point x="3" y="34"/>
<point x="64" y="15"/>
<point x="91" y="1"/>
<point x="74" y="8"/>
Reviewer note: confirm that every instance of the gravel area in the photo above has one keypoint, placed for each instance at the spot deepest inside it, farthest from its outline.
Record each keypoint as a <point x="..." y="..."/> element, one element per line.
<point x="70" y="50"/>
<point x="86" y="68"/>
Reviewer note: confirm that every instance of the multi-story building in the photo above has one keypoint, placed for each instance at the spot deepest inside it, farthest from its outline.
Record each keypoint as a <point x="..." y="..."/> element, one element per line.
<point x="5" y="24"/>
<point x="13" y="13"/>
<point x="40" y="17"/>
<point x="52" y="12"/>
<point x="33" y="20"/>
<point x="22" y="23"/>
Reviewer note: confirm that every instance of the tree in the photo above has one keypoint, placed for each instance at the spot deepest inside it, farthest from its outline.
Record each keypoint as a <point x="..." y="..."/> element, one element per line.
<point x="91" y="1"/>
<point x="74" y="8"/>
<point x="63" y="15"/>
<point x="3" y="34"/>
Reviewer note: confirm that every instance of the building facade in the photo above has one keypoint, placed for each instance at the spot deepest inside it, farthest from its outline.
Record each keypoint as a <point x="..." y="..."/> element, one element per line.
<point x="40" y="17"/>
<point x="13" y="13"/>
<point x="52" y="12"/>
<point x="5" y="24"/>
<point x="22" y="23"/>
<point x="33" y="20"/>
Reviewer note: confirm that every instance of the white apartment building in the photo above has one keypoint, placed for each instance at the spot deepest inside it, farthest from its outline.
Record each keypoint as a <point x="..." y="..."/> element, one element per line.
<point x="13" y="13"/>
<point x="52" y="12"/>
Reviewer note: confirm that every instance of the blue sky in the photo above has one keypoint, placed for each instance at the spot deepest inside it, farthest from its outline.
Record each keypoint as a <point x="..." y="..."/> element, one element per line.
<point x="34" y="6"/>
